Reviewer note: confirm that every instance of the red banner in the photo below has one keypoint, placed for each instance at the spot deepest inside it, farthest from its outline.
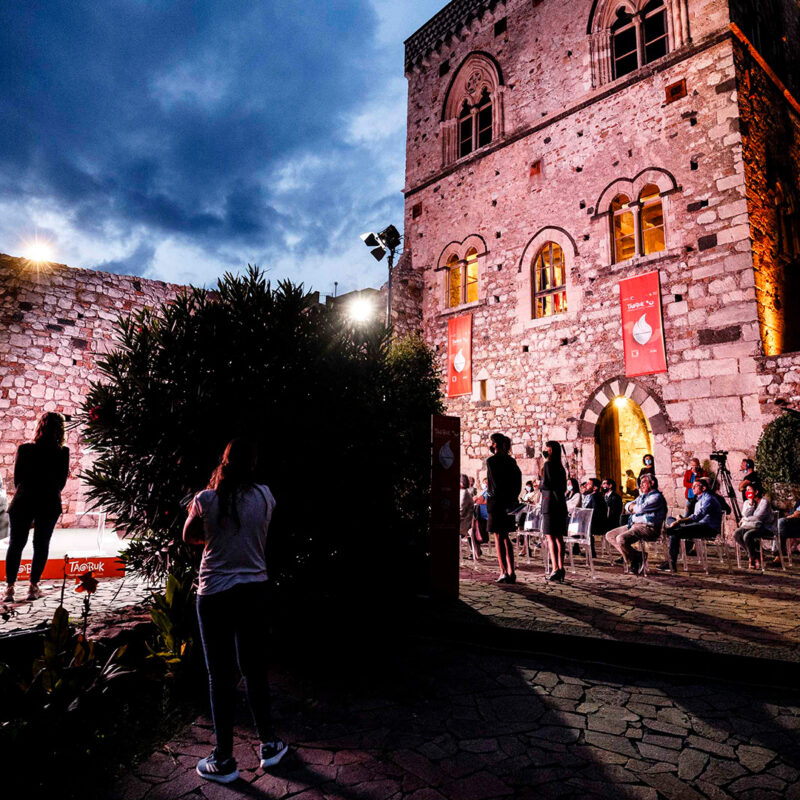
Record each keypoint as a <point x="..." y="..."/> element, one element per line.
<point x="642" y="325"/>
<point x="99" y="566"/>
<point x="459" y="356"/>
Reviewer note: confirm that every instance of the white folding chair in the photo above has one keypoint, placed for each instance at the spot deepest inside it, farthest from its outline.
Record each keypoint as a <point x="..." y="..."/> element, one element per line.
<point x="579" y="532"/>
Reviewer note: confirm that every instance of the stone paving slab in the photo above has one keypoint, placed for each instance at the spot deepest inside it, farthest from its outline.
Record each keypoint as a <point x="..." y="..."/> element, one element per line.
<point x="112" y="596"/>
<point x="737" y="613"/>
<point x="430" y="723"/>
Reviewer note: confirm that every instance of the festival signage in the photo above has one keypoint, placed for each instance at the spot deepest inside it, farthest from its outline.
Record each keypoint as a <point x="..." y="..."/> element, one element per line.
<point x="445" y="504"/>
<point x="642" y="325"/>
<point x="459" y="355"/>
<point x="56" y="568"/>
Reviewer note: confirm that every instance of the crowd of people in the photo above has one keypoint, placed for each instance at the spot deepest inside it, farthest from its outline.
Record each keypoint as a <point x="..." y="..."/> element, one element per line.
<point x="628" y="520"/>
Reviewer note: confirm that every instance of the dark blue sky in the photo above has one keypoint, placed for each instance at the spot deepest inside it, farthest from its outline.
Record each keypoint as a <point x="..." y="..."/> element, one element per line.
<point x="177" y="140"/>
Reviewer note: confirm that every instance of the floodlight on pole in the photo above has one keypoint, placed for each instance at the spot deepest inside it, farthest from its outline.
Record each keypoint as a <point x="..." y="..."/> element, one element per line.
<point x="381" y="244"/>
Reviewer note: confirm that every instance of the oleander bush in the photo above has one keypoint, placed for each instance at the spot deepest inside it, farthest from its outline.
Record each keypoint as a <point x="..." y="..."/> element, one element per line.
<point x="341" y="414"/>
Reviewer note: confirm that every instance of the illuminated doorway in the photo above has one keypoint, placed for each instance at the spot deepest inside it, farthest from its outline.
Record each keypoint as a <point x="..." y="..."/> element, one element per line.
<point x="622" y="438"/>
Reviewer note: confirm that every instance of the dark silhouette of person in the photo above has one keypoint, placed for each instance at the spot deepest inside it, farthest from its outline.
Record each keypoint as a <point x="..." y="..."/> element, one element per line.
<point x="504" y="485"/>
<point x="40" y="473"/>
<point x="554" y="507"/>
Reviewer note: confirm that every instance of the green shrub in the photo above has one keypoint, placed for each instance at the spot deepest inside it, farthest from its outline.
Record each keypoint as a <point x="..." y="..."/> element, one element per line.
<point x="340" y="413"/>
<point x="778" y="451"/>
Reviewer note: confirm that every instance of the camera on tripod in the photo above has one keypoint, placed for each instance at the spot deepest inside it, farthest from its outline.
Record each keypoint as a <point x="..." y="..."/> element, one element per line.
<point x="720" y="456"/>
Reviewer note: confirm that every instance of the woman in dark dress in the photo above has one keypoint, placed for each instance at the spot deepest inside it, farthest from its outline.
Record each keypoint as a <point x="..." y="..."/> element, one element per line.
<point x="648" y="467"/>
<point x="554" y="508"/>
<point x="40" y="473"/>
<point x="504" y="485"/>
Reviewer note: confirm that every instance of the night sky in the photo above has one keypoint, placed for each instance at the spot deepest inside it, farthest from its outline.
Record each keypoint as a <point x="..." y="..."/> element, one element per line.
<point x="178" y="140"/>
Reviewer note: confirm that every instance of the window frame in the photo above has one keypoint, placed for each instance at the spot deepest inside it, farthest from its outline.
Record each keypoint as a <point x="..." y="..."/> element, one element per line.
<point x="468" y="279"/>
<point x="555" y="290"/>
<point x="636" y="208"/>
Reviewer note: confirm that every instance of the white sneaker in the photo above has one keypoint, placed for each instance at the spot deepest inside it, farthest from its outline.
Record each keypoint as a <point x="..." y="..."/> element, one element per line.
<point x="34" y="592"/>
<point x="8" y="597"/>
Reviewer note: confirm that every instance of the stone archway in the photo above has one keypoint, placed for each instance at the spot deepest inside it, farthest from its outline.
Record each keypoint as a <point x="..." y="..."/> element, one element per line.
<point x="652" y="407"/>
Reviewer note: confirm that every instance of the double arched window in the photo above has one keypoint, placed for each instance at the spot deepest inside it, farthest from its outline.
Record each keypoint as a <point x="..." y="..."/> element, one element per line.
<point x="627" y="34"/>
<point x="549" y="281"/>
<point x="472" y="113"/>
<point x="462" y="278"/>
<point x="637" y="228"/>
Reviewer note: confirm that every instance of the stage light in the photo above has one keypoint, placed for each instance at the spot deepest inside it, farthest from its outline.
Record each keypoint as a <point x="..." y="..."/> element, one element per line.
<point x="360" y="309"/>
<point x="620" y="402"/>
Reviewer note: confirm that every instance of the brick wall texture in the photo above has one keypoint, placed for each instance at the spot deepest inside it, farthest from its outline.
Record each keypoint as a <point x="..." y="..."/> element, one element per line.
<point x="55" y="322"/>
<point x="569" y="141"/>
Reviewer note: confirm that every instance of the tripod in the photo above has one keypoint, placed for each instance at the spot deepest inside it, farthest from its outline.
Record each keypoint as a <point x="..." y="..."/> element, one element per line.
<point x="723" y="475"/>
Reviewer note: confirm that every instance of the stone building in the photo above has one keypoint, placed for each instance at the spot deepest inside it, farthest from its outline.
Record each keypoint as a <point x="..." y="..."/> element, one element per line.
<point x="55" y="324"/>
<point x="557" y="147"/>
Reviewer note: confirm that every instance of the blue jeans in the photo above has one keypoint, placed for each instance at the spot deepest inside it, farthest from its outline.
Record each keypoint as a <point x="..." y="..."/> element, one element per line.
<point x="233" y="628"/>
<point x="690" y="530"/>
<point x="788" y="529"/>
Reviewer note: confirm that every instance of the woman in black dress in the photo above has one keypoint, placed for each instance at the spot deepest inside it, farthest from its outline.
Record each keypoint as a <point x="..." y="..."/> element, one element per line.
<point x="504" y="485"/>
<point x="554" y="508"/>
<point x="40" y="473"/>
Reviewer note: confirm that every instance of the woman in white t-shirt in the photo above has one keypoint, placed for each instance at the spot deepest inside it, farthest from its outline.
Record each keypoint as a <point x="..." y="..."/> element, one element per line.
<point x="230" y="520"/>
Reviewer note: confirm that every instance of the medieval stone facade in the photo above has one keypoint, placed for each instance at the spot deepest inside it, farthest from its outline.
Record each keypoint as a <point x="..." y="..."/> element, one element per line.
<point x="55" y="323"/>
<point x="609" y="138"/>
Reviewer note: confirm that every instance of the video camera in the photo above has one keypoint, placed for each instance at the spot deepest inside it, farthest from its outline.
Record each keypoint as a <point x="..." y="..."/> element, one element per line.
<point x="720" y="456"/>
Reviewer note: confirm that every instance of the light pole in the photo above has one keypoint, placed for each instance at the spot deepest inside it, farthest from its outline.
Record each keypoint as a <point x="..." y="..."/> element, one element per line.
<point x="387" y="241"/>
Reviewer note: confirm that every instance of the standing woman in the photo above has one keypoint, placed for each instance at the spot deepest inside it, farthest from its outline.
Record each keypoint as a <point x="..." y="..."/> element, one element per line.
<point x="40" y="473"/>
<point x="554" y="508"/>
<point x="504" y="485"/>
<point x="230" y="519"/>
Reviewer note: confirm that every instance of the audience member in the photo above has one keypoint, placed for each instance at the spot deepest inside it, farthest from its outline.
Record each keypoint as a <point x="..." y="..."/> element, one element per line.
<point x="788" y="530"/>
<point x="648" y="467"/>
<point x="613" y="503"/>
<point x="647" y="514"/>
<point x="467" y="516"/>
<point x="554" y="508"/>
<point x="573" y="496"/>
<point x="690" y="475"/>
<point x="703" y="523"/>
<point x="631" y="488"/>
<point x="593" y="499"/>
<point x="749" y="476"/>
<point x="505" y="483"/>
<point x="758" y="522"/>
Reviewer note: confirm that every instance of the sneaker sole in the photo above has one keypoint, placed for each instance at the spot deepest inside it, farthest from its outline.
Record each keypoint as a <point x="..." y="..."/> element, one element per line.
<point x="271" y="762"/>
<point x="217" y="778"/>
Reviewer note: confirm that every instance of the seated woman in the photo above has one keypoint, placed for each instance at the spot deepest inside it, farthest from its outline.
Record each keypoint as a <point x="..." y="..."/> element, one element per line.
<point x="573" y="495"/>
<point x="758" y="522"/>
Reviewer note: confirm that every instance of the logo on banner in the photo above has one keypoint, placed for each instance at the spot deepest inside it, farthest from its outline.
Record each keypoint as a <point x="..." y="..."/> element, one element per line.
<point x="642" y="331"/>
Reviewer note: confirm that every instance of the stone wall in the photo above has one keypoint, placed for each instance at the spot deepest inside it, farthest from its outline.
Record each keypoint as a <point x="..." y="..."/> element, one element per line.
<point x="566" y="149"/>
<point x="55" y="322"/>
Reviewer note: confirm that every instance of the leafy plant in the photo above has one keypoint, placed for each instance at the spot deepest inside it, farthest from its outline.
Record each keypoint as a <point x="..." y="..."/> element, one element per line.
<point x="172" y="614"/>
<point x="778" y="451"/>
<point x="341" y="415"/>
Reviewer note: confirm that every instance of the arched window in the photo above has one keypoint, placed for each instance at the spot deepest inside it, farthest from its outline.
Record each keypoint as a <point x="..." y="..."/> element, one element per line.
<point x="625" y="44"/>
<point x="462" y="279"/>
<point x="652" y="219"/>
<point x="624" y="228"/>
<point x="549" y="281"/>
<point x="627" y="35"/>
<point x="472" y="113"/>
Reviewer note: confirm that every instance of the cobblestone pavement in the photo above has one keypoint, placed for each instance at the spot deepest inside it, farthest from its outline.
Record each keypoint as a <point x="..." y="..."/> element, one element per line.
<point x="112" y="595"/>
<point x="736" y="613"/>
<point x="429" y="723"/>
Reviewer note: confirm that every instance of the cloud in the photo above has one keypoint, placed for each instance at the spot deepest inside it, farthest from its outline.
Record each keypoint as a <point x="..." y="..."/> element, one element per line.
<point x="209" y="132"/>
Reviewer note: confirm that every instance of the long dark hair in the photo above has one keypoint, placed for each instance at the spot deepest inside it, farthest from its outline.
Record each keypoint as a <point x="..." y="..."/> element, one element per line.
<point x="234" y="474"/>
<point x="50" y="430"/>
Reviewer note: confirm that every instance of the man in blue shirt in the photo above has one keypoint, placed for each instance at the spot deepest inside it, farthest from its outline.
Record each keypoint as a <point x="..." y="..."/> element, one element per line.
<point x="647" y="514"/>
<point x="704" y="523"/>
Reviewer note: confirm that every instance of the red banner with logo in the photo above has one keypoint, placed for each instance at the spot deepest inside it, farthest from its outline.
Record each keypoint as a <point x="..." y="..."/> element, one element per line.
<point x="642" y="325"/>
<point x="445" y="504"/>
<point x="459" y="356"/>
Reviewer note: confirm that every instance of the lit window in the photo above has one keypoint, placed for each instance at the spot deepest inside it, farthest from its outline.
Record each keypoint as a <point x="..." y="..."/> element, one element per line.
<point x="652" y="217"/>
<point x="462" y="279"/>
<point x="624" y="228"/>
<point x="549" y="281"/>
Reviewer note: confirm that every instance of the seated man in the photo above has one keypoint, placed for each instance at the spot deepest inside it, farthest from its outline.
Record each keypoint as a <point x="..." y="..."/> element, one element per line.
<point x="647" y="514"/>
<point x="593" y="498"/>
<point x="788" y="529"/>
<point x="703" y="523"/>
<point x="613" y="503"/>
